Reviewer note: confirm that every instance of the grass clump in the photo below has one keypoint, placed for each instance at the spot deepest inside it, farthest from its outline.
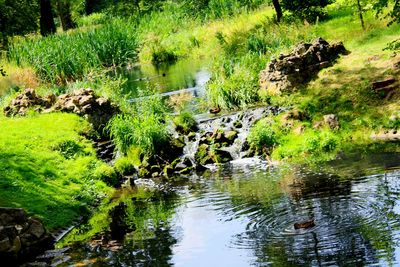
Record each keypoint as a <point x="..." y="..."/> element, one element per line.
<point x="262" y="136"/>
<point x="57" y="185"/>
<point x="70" y="56"/>
<point x="185" y="122"/>
<point x="144" y="127"/>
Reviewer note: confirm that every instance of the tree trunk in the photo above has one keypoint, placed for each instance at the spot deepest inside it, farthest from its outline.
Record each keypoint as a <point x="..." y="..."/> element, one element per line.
<point x="360" y="14"/>
<point x="64" y="12"/>
<point x="89" y="6"/>
<point x="278" y="10"/>
<point x="47" y="25"/>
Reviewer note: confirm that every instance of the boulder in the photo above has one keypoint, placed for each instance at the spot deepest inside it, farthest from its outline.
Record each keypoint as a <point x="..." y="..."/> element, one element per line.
<point x="297" y="68"/>
<point x="21" y="237"/>
<point x="332" y="121"/>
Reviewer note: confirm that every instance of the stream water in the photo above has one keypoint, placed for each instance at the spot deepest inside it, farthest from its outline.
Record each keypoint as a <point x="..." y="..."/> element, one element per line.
<point x="244" y="213"/>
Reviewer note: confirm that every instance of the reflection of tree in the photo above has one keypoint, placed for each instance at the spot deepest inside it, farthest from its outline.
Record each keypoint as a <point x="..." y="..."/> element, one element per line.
<point x="141" y="218"/>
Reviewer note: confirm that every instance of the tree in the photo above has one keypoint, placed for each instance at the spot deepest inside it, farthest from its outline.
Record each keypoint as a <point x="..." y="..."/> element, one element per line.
<point x="306" y="9"/>
<point x="17" y="17"/>
<point x="394" y="13"/>
<point x="278" y="10"/>
<point x="47" y="25"/>
<point x="63" y="8"/>
<point x="360" y="14"/>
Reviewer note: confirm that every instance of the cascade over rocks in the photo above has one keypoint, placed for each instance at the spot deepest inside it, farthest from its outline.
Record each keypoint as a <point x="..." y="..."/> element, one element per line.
<point x="297" y="68"/>
<point x="97" y="110"/>
<point x="21" y="237"/>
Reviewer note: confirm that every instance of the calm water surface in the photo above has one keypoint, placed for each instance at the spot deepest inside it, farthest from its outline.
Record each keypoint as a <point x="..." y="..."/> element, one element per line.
<point x="243" y="215"/>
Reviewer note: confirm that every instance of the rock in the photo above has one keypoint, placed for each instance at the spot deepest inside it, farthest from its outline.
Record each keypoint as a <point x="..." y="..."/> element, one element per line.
<point x="300" y="66"/>
<point x="238" y="124"/>
<point x="202" y="155"/>
<point x="332" y="121"/>
<point x="28" y="99"/>
<point x="230" y="136"/>
<point x="385" y="87"/>
<point x="221" y="156"/>
<point x="83" y="102"/>
<point x="21" y="237"/>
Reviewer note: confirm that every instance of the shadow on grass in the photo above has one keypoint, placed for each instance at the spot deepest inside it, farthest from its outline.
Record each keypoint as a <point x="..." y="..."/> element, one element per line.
<point x="33" y="184"/>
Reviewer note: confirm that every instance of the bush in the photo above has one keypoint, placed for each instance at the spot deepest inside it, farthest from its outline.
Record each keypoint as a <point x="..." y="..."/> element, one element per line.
<point x="306" y="9"/>
<point x="144" y="128"/>
<point x="72" y="55"/>
<point x="262" y="135"/>
<point x="185" y="122"/>
<point x="106" y="174"/>
<point x="124" y="166"/>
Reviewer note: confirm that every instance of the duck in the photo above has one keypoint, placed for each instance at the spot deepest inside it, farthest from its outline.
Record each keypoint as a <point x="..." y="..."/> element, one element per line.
<point x="215" y="110"/>
<point x="304" y="225"/>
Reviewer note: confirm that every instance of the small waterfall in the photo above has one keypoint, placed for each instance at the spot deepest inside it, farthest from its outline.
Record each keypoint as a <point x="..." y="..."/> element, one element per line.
<point x="237" y="124"/>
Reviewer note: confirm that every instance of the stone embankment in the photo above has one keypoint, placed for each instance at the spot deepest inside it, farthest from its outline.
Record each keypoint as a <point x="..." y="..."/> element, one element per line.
<point x="21" y="237"/>
<point x="291" y="71"/>
<point x="83" y="102"/>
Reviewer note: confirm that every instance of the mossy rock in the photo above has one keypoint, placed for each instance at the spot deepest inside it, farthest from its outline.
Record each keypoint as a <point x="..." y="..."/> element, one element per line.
<point x="230" y="136"/>
<point x="202" y="155"/>
<point x="220" y="156"/>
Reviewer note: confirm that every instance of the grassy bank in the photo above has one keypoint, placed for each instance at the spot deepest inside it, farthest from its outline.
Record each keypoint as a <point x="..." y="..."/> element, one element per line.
<point x="48" y="168"/>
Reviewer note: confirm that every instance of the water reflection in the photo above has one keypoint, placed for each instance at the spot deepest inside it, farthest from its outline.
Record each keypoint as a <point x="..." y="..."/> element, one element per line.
<point x="244" y="216"/>
<point x="165" y="78"/>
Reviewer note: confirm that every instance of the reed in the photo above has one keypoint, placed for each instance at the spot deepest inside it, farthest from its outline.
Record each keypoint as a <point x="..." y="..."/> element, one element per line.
<point x="72" y="55"/>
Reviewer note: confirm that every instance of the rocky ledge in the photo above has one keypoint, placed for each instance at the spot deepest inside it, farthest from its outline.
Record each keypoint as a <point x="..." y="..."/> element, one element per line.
<point x="300" y="66"/>
<point x="21" y="237"/>
<point x="97" y="110"/>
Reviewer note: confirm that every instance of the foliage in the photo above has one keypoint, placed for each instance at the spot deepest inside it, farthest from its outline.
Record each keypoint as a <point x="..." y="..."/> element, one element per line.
<point x="70" y="56"/>
<point x="235" y="75"/>
<point x="144" y="128"/>
<point x="124" y="166"/>
<point x="17" y="17"/>
<point x="394" y="14"/>
<point x="218" y="8"/>
<point x="262" y="135"/>
<point x="106" y="174"/>
<point x="306" y="9"/>
<point x="185" y="122"/>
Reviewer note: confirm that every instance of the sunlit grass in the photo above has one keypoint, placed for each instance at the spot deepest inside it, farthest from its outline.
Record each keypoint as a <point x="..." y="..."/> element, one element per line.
<point x="37" y="176"/>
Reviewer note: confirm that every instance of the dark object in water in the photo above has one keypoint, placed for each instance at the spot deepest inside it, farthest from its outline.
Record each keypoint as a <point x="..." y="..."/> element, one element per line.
<point x="215" y="110"/>
<point x="304" y="225"/>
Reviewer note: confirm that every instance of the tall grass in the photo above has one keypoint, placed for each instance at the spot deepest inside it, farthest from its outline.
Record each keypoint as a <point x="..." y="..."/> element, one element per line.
<point x="144" y="128"/>
<point x="235" y="75"/>
<point x="70" y="56"/>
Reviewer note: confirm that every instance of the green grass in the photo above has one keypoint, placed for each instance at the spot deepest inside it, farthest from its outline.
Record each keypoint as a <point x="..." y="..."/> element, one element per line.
<point x="46" y="167"/>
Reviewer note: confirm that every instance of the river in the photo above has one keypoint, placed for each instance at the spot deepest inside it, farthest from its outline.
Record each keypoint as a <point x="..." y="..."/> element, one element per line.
<point x="243" y="214"/>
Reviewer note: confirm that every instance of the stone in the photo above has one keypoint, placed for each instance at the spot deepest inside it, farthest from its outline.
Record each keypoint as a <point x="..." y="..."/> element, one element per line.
<point x="21" y="237"/>
<point x="230" y="136"/>
<point x="332" y="121"/>
<point x="83" y="102"/>
<point x="300" y="66"/>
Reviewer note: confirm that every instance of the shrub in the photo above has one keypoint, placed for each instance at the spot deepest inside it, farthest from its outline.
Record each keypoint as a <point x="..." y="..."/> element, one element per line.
<point x="124" y="166"/>
<point x="106" y="174"/>
<point x="306" y="9"/>
<point x="262" y="135"/>
<point x="144" y="128"/>
<point x="185" y="122"/>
